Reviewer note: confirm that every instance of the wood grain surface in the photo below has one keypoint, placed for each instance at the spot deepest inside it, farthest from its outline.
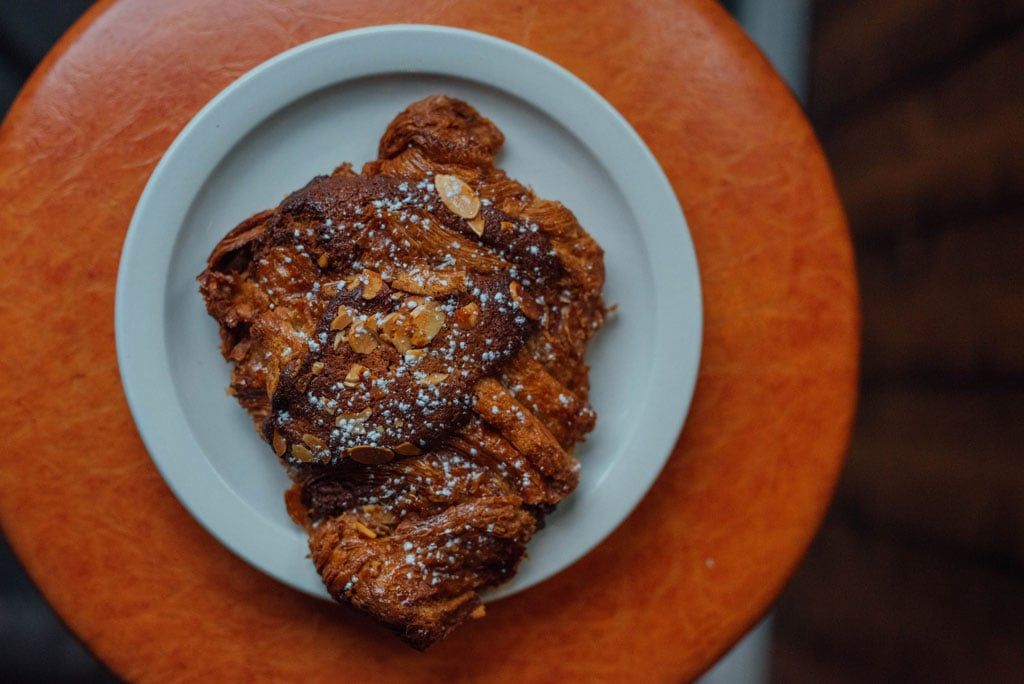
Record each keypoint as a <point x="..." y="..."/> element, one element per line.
<point x="695" y="565"/>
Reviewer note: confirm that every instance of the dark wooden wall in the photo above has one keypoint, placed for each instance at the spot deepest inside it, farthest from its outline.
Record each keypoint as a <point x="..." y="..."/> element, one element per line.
<point x="918" y="573"/>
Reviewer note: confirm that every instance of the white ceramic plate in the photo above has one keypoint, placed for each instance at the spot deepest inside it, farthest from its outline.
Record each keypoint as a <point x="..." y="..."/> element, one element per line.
<point x="327" y="101"/>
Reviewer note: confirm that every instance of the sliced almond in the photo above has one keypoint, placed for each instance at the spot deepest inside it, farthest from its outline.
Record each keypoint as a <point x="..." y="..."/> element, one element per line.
<point x="323" y="260"/>
<point x="401" y="342"/>
<point x="338" y="338"/>
<point x="414" y="356"/>
<point x="456" y="194"/>
<point x="413" y="301"/>
<point x="355" y="375"/>
<point x="353" y="417"/>
<point x="427" y="321"/>
<point x="317" y="368"/>
<point x="273" y="375"/>
<point x="342" y="319"/>
<point x="422" y="281"/>
<point x="508" y="225"/>
<point x="372" y="283"/>
<point x="466" y="317"/>
<point x="435" y="378"/>
<point x="528" y="305"/>
<point x="409" y="282"/>
<point x="478" y="612"/>
<point x="390" y="324"/>
<point x="364" y="530"/>
<point x="370" y="455"/>
<point x="407" y="449"/>
<point x="361" y="340"/>
<point x="372" y="323"/>
<point x="393" y="328"/>
<point x="477" y="225"/>
<point x="279" y="443"/>
<point x="302" y="453"/>
<point x="314" y="441"/>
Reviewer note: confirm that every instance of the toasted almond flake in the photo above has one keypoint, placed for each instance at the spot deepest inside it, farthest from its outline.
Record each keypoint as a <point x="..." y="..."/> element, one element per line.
<point x="415" y="354"/>
<point x="401" y="342"/>
<point x="337" y="340"/>
<point x="355" y="375"/>
<point x="478" y="612"/>
<point x="410" y="282"/>
<point x="314" y="441"/>
<point x="317" y="368"/>
<point x="394" y="329"/>
<point x="342" y="319"/>
<point x="527" y="304"/>
<point x="435" y="378"/>
<point x="361" y="340"/>
<point x="323" y="260"/>
<point x="477" y="225"/>
<point x="390" y="319"/>
<point x="423" y="281"/>
<point x="407" y="449"/>
<point x="370" y="455"/>
<point x="279" y="443"/>
<point x="302" y="453"/>
<point x="427" y="321"/>
<point x="507" y="225"/>
<point x="466" y="317"/>
<point x="355" y="417"/>
<point x="456" y="194"/>
<point x="273" y="375"/>
<point x="351" y="282"/>
<point x="391" y="323"/>
<point x="372" y="283"/>
<point x="364" y="530"/>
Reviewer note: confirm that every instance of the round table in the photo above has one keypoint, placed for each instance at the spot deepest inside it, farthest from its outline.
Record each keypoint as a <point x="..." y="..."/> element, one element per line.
<point x="697" y="563"/>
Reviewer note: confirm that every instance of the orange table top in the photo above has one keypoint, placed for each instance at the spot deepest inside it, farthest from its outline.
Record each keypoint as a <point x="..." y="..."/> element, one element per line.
<point x="695" y="565"/>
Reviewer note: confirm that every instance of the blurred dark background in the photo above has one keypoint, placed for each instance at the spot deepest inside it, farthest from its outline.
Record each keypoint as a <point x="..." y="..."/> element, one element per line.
<point x="918" y="572"/>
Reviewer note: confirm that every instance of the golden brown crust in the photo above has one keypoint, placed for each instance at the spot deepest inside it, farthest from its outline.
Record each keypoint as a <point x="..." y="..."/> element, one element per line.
<point x="410" y="342"/>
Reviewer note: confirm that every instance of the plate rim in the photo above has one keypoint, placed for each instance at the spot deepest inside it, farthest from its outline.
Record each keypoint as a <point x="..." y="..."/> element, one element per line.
<point x="186" y="487"/>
